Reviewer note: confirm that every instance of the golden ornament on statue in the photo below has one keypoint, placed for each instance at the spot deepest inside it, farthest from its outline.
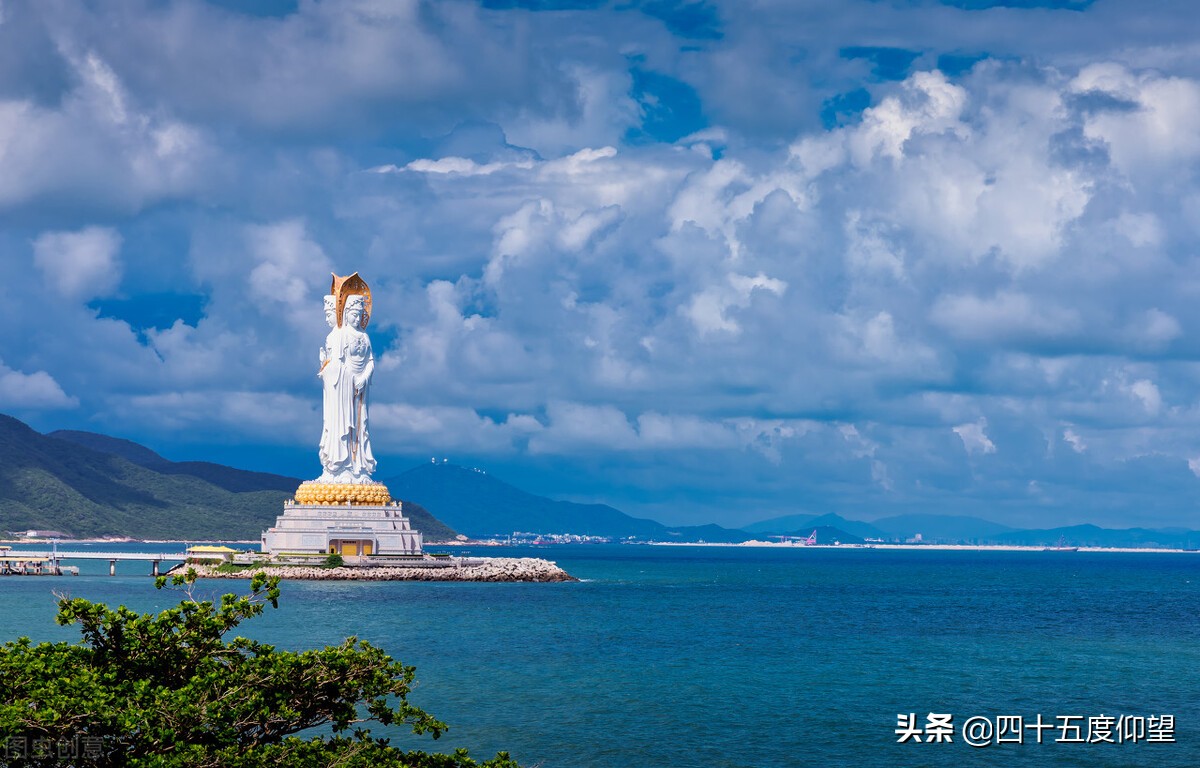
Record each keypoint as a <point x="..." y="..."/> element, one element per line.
<point x="332" y="494"/>
<point x="342" y="288"/>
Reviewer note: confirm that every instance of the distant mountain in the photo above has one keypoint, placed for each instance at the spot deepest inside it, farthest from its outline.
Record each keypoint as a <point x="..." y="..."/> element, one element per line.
<point x="236" y="480"/>
<point x="432" y="530"/>
<point x="827" y="534"/>
<point x="854" y="528"/>
<point x="48" y="483"/>
<point x="804" y="524"/>
<point x="480" y="505"/>
<point x="710" y="532"/>
<point x="962" y="529"/>
<point x="88" y="484"/>
<point x="126" y="449"/>
<point x="951" y="529"/>
<point x="1094" y="536"/>
<point x="779" y="524"/>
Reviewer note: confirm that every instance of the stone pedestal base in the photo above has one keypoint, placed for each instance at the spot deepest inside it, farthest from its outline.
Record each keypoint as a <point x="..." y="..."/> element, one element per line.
<point x="350" y="530"/>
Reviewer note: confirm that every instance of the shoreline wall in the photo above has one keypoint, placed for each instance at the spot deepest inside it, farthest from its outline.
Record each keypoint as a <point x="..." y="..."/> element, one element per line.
<point x="493" y="569"/>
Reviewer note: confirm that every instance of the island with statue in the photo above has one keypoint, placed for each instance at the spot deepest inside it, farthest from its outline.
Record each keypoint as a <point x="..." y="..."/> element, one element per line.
<point x="344" y="515"/>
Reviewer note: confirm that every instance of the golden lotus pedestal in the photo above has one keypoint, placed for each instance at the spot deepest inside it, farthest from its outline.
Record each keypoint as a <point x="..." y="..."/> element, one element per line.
<point x="338" y="494"/>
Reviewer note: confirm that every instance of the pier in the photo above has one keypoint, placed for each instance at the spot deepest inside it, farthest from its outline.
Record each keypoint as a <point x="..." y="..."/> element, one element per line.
<point x="29" y="562"/>
<point x="34" y="566"/>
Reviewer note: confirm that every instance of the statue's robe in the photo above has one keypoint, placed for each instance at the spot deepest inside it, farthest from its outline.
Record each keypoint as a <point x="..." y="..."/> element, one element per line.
<point x="345" y="440"/>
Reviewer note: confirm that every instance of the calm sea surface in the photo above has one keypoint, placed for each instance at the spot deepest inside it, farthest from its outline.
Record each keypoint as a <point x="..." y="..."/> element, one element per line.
<point x="713" y="656"/>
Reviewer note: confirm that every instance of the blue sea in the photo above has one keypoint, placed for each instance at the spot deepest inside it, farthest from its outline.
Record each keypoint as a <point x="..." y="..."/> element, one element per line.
<point x="724" y="656"/>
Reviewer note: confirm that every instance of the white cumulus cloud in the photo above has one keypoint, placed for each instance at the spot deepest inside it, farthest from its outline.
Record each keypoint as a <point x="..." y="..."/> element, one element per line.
<point x="974" y="436"/>
<point x="82" y="264"/>
<point x="1147" y="394"/>
<point x="32" y="391"/>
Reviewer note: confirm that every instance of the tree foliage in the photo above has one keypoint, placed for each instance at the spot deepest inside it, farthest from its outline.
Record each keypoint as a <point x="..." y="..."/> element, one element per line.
<point x="169" y="690"/>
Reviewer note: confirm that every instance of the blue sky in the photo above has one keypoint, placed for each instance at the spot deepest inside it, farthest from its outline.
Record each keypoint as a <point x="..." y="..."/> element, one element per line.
<point x="703" y="261"/>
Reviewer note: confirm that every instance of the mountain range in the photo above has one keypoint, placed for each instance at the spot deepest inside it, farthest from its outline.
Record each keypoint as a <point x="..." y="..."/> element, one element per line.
<point x="955" y="529"/>
<point x="482" y="506"/>
<point x="961" y="529"/>
<point x="88" y="484"/>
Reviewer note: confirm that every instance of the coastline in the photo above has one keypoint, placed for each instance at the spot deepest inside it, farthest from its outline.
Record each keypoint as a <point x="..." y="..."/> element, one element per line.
<point x="127" y="540"/>
<point x="751" y="543"/>
<point x="492" y="569"/>
<point x="210" y="540"/>
<point x="947" y="547"/>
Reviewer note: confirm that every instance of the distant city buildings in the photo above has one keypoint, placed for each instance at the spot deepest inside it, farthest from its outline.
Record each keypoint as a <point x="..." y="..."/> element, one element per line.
<point x="524" y="537"/>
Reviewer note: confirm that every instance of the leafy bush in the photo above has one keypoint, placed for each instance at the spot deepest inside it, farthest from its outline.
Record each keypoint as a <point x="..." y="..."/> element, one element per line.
<point x="238" y="568"/>
<point x="334" y="560"/>
<point x="169" y="691"/>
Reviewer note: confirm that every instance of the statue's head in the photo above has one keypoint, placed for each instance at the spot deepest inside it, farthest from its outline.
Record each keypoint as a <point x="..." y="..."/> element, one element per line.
<point x="331" y="311"/>
<point x="354" y="311"/>
<point x="346" y="289"/>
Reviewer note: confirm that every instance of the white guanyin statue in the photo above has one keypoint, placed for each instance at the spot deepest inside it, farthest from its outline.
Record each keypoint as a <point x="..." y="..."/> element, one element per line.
<point x="347" y="364"/>
<point x="331" y="321"/>
<point x="330" y="317"/>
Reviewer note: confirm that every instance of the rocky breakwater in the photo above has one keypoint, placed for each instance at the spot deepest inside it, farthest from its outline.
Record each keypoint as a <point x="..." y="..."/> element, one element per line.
<point x="475" y="569"/>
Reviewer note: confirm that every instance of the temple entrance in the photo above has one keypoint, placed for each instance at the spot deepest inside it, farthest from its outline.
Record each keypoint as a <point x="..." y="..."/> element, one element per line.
<point x="352" y="547"/>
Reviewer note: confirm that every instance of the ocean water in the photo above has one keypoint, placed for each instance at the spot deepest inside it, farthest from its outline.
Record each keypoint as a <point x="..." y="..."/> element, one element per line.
<point x="723" y="657"/>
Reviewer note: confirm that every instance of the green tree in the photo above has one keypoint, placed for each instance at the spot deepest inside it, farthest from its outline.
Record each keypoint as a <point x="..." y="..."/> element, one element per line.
<point x="168" y="690"/>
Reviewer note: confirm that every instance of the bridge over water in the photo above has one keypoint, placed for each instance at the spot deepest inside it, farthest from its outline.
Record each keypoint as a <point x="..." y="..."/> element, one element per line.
<point x="54" y="556"/>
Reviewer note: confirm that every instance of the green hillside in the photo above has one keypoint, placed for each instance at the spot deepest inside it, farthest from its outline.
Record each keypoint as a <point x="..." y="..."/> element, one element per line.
<point x="90" y="485"/>
<point x="432" y="530"/>
<point x="230" y="479"/>
<point x="54" y="484"/>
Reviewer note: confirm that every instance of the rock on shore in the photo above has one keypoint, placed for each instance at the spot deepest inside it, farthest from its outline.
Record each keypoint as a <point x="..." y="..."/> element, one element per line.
<point x="490" y="569"/>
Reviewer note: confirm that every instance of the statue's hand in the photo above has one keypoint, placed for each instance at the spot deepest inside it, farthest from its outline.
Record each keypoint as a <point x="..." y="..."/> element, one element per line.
<point x="359" y="382"/>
